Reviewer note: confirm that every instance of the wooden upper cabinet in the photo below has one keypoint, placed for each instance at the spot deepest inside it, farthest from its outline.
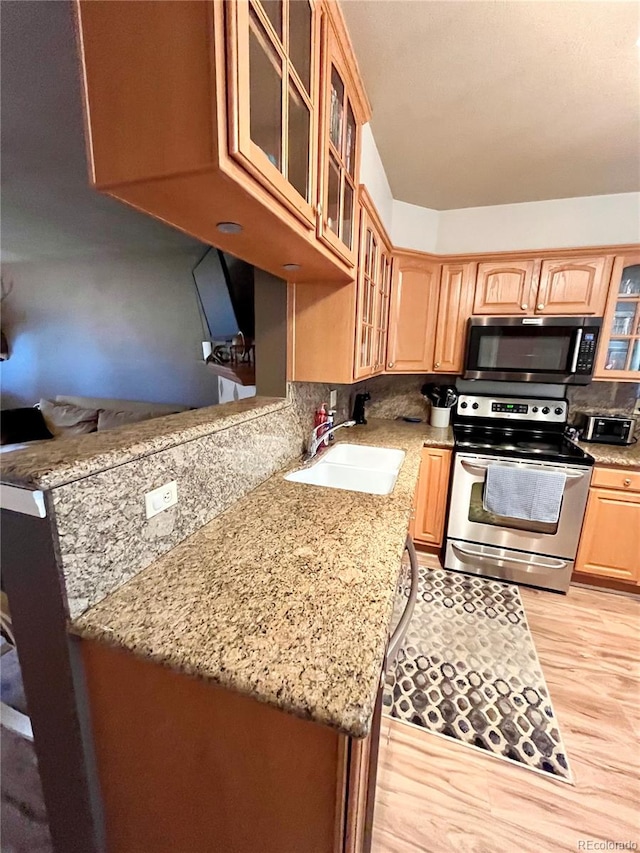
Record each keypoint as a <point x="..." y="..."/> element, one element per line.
<point x="374" y="287"/>
<point x="414" y="307"/>
<point x="505" y="287"/>
<point x="454" y="309"/>
<point x="273" y="61"/>
<point x="558" y="287"/>
<point x="619" y="347"/>
<point x="201" y="114"/>
<point x="575" y="286"/>
<point x="344" y="110"/>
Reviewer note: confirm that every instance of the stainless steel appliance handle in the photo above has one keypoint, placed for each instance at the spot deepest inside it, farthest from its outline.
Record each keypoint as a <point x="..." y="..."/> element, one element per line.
<point x="396" y="639"/>
<point x="481" y="467"/>
<point x="477" y="555"/>
<point x="576" y="351"/>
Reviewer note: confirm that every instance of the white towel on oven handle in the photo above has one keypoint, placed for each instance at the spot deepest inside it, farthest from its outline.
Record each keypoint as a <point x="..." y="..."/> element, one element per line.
<point x="516" y="492"/>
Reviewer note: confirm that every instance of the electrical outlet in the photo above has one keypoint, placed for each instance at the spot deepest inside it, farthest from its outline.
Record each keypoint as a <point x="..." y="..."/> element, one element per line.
<point x="333" y="398"/>
<point x="636" y="408"/>
<point x="161" y="498"/>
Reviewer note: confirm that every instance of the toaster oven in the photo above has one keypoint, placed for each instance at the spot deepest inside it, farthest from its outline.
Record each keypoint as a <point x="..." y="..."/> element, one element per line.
<point x="606" y="429"/>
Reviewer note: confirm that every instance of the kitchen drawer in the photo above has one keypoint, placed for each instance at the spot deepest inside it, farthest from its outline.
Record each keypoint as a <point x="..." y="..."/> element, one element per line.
<point x="616" y="478"/>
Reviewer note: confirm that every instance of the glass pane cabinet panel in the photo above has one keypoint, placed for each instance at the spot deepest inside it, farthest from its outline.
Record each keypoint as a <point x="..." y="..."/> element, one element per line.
<point x="298" y="148"/>
<point x="300" y="40"/>
<point x="273" y="8"/>
<point x="630" y="281"/>
<point x="635" y="357"/>
<point x="350" y="142"/>
<point x="347" y="214"/>
<point x="333" y="197"/>
<point x="624" y="318"/>
<point x="337" y="109"/>
<point x="617" y="355"/>
<point x="265" y="97"/>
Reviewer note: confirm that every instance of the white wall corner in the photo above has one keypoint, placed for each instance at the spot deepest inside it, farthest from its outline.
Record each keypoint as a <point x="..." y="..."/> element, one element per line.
<point x="414" y="227"/>
<point x="553" y="224"/>
<point x="374" y="177"/>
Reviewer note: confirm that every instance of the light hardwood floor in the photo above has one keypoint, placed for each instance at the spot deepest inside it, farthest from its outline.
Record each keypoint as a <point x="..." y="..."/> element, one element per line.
<point x="437" y="796"/>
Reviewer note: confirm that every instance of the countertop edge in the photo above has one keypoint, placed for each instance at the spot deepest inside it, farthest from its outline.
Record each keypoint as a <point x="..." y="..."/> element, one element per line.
<point x="59" y="473"/>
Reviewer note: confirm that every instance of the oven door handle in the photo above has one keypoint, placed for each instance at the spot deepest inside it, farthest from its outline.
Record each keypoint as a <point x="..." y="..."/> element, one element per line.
<point x="477" y="555"/>
<point x="576" y="351"/>
<point x="569" y="475"/>
<point x="397" y="638"/>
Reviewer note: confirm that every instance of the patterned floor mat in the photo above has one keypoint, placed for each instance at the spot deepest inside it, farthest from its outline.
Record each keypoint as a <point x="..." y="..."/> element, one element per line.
<point x="469" y="670"/>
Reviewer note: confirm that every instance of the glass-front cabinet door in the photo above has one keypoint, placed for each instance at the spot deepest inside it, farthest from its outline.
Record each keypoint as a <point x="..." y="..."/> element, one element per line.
<point x="340" y="152"/>
<point x="374" y="291"/>
<point x="367" y="308"/>
<point x="273" y="79"/>
<point x="619" y="349"/>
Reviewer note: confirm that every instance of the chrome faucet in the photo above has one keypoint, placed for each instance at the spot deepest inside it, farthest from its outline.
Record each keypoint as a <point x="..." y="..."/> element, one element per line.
<point x="316" y="439"/>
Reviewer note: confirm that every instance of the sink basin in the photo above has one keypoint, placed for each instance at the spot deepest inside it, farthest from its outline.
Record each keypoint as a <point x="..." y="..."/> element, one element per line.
<point x="355" y="468"/>
<point x="363" y="456"/>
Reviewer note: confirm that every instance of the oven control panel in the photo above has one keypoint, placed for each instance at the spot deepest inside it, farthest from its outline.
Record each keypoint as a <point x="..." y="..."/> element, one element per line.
<point x="512" y="408"/>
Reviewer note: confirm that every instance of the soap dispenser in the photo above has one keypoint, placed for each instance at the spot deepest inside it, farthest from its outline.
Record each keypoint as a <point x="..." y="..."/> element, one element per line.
<point x="358" y="407"/>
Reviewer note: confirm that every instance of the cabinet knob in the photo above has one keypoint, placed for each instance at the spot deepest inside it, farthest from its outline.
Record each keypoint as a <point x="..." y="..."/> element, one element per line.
<point x="626" y="482"/>
<point x="391" y="363"/>
<point x="524" y="306"/>
<point x="540" y="306"/>
<point x="437" y="364"/>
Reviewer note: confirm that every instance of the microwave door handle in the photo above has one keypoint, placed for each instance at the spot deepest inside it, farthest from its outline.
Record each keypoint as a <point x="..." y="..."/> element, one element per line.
<point x="576" y="351"/>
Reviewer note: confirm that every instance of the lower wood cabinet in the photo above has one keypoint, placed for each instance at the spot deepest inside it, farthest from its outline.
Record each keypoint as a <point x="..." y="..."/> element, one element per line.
<point x="610" y="541"/>
<point x="427" y="523"/>
<point x="186" y="766"/>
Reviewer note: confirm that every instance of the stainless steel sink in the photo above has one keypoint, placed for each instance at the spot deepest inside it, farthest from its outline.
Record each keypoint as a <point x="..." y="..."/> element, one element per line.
<point x="355" y="468"/>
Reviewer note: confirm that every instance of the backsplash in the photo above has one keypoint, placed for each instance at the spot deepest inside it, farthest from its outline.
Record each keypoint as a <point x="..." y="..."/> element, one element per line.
<point x="103" y="534"/>
<point x="398" y="396"/>
<point x="104" y="537"/>
<point x="616" y="398"/>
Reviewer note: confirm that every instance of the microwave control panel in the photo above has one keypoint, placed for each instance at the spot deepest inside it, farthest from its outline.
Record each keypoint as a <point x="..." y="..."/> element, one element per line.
<point x="587" y="352"/>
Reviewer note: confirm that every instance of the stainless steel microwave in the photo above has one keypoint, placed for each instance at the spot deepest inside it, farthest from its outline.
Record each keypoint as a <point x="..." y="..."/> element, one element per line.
<point x="532" y="349"/>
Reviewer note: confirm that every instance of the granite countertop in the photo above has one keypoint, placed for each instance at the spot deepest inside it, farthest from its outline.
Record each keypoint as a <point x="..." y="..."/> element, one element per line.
<point x="615" y="455"/>
<point x="287" y="596"/>
<point x="47" y="464"/>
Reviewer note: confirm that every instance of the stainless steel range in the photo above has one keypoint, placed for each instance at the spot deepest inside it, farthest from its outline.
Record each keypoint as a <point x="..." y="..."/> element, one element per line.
<point x="528" y="434"/>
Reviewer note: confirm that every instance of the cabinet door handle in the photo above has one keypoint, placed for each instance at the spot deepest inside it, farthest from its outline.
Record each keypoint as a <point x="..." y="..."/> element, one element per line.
<point x="399" y="634"/>
<point x="437" y="364"/>
<point x="540" y="306"/>
<point x="524" y="306"/>
<point x="391" y="363"/>
<point x="626" y="482"/>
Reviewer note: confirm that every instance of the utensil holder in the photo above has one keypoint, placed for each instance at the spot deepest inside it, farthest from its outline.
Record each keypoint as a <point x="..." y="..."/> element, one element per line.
<point x="440" y="417"/>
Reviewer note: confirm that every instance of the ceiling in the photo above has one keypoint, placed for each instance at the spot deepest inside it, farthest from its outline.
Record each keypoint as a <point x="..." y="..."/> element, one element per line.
<point x="481" y="103"/>
<point x="48" y="209"/>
